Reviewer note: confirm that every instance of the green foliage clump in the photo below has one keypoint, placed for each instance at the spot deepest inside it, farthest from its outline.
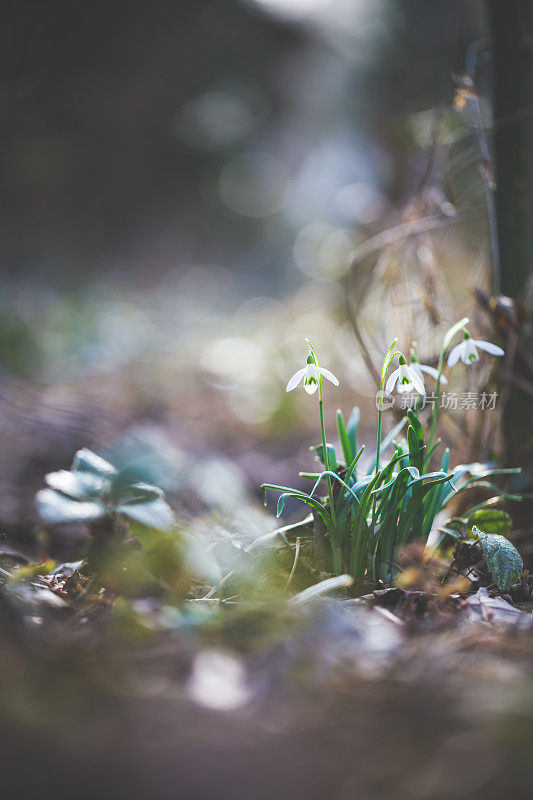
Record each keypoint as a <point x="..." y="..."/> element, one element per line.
<point x="93" y="490"/>
<point x="371" y="516"/>
<point x="135" y="547"/>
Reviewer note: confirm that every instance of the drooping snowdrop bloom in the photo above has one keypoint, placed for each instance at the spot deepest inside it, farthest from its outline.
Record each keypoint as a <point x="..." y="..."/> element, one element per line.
<point x="419" y="369"/>
<point x="310" y="373"/>
<point x="406" y="377"/>
<point x="467" y="350"/>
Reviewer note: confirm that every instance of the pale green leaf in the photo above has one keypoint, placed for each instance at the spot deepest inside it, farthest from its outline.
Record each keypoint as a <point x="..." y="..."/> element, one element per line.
<point x="87" y="461"/>
<point x="503" y="559"/>
<point x="78" y="485"/>
<point x="56" y="507"/>
<point x="153" y="513"/>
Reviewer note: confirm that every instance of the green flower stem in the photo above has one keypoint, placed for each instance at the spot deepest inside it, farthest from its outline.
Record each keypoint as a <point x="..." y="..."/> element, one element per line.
<point x="336" y="549"/>
<point x="325" y="451"/>
<point x="448" y="336"/>
<point x="380" y="416"/>
<point x="415" y="360"/>
<point x="436" y="406"/>
<point x="384" y="367"/>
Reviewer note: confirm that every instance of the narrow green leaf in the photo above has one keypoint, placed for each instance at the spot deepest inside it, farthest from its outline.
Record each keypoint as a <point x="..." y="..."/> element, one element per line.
<point x="415" y="458"/>
<point x="480" y="484"/>
<point x="281" y="503"/>
<point x="352" y="468"/>
<point x="305" y="498"/>
<point x="344" y="439"/>
<point x="351" y="427"/>
<point x="434" y="500"/>
<point x="332" y="456"/>
<point x="417" y="425"/>
<point x="388" y="439"/>
<point x="413" y="471"/>
<point x="348" y="488"/>
<point x="413" y="506"/>
<point x="492" y="501"/>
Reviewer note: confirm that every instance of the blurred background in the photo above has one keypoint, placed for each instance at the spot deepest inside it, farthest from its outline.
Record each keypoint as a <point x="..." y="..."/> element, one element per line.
<point x="191" y="188"/>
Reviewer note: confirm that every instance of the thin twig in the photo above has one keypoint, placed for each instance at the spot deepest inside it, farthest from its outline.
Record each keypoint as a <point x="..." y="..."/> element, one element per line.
<point x="411" y="228"/>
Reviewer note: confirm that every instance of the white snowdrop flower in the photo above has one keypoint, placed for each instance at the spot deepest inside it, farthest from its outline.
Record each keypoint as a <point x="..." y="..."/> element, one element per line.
<point x="310" y="373"/>
<point x="419" y="369"/>
<point x="467" y="350"/>
<point x="407" y="378"/>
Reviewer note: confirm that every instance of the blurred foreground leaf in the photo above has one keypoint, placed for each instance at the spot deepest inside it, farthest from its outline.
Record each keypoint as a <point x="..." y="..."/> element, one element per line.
<point x="492" y="520"/>
<point x="56" y="507"/>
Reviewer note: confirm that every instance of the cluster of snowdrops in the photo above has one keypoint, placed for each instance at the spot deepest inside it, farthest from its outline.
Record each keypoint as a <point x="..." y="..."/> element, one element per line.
<point x="369" y="518"/>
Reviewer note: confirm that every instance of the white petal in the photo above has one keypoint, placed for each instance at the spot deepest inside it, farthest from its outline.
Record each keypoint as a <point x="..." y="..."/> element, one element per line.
<point x="493" y="349"/>
<point x="404" y="372"/>
<point x="403" y="388"/>
<point x="431" y="371"/>
<point x="295" y="380"/>
<point x="417" y="381"/>
<point x="329" y="375"/>
<point x="456" y="354"/>
<point x="393" y="377"/>
<point x="469" y="354"/>
<point x="311" y="388"/>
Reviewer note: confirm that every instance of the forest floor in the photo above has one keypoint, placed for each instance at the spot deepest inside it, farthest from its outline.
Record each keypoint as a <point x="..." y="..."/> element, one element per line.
<point x="404" y="693"/>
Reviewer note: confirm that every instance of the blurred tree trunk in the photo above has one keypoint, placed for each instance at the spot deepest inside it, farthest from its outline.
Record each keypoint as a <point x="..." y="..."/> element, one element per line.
<point x="511" y="30"/>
